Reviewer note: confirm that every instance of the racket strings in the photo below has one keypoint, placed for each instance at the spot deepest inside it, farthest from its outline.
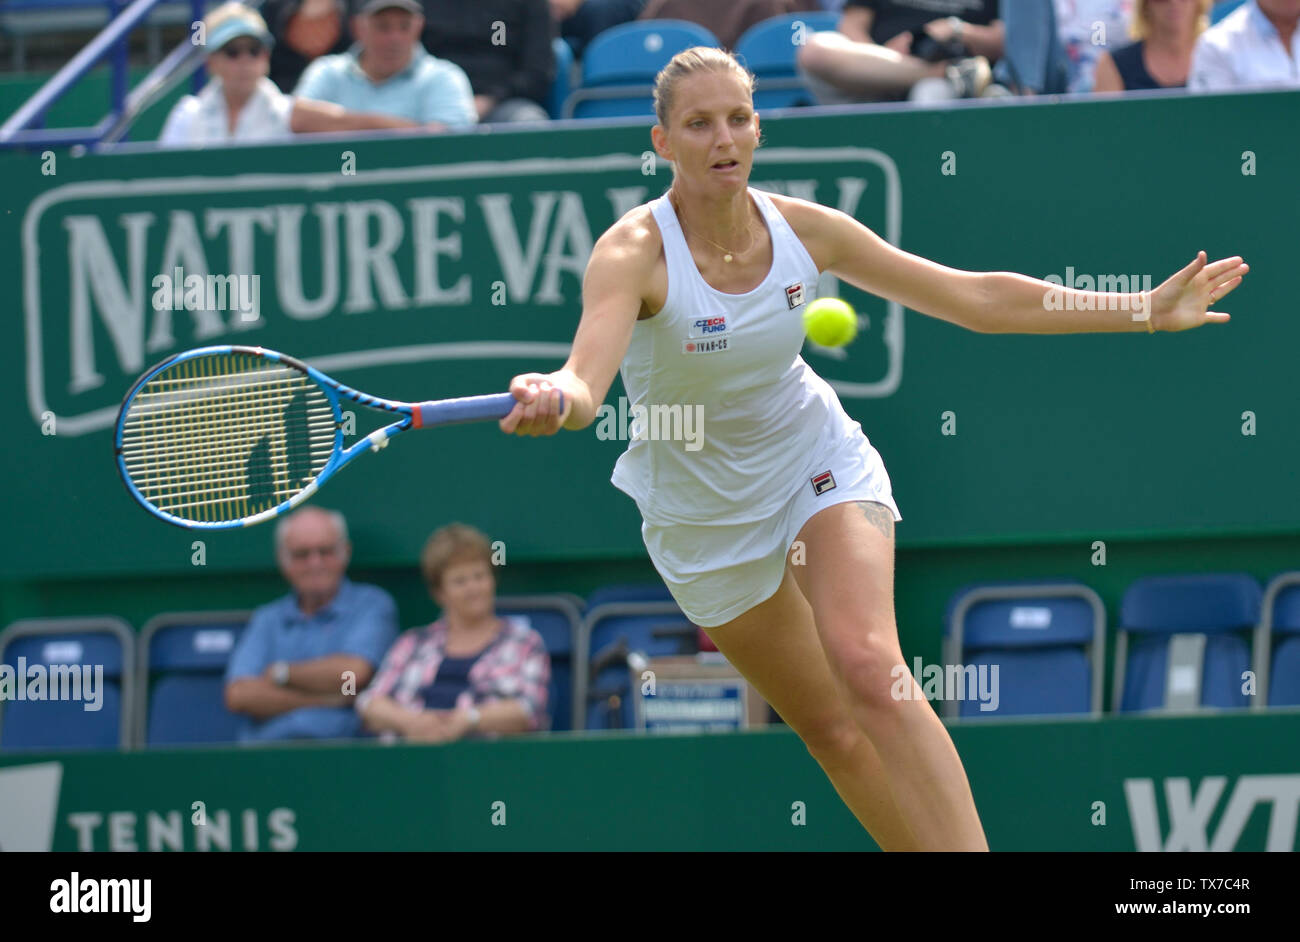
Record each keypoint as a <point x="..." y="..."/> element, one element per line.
<point x="226" y="436"/>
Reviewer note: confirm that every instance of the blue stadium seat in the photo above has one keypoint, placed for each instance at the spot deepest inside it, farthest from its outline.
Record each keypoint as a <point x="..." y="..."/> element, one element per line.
<point x="629" y="592"/>
<point x="1191" y="642"/>
<point x="1046" y="638"/>
<point x="609" y="634"/>
<point x="52" y="643"/>
<point x="558" y="620"/>
<point x="620" y="65"/>
<point x="1277" y="651"/>
<point x="559" y="92"/>
<point x="1222" y="9"/>
<point x="183" y="658"/>
<point x="768" y="49"/>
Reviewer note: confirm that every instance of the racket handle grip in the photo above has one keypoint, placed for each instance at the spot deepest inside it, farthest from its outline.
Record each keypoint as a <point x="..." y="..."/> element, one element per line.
<point x="467" y="409"/>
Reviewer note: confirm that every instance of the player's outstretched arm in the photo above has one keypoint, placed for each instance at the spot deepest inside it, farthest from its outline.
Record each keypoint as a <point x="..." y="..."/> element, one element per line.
<point x="1006" y="302"/>
<point x="612" y="295"/>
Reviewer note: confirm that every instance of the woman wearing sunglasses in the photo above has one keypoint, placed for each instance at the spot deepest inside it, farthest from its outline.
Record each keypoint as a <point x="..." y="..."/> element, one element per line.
<point x="240" y="104"/>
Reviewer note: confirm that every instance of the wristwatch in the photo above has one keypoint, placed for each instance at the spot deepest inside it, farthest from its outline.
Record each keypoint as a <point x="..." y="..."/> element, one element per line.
<point x="958" y="27"/>
<point x="280" y="673"/>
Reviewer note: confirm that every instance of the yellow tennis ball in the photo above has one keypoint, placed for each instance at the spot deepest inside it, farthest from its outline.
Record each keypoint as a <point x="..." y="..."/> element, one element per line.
<point x="830" y="322"/>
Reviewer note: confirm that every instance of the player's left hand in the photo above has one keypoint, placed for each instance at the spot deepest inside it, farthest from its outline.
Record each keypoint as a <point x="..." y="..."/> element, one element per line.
<point x="1184" y="300"/>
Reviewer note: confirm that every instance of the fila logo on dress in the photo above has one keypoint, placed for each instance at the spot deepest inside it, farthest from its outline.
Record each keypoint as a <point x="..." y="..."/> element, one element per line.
<point x="794" y="294"/>
<point x="823" y="482"/>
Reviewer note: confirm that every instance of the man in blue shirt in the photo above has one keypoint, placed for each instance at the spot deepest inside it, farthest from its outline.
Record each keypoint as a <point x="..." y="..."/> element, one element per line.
<point x="388" y="71"/>
<point x="303" y="658"/>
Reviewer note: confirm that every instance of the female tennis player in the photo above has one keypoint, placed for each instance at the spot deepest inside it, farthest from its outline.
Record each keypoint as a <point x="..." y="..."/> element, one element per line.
<point x="699" y="295"/>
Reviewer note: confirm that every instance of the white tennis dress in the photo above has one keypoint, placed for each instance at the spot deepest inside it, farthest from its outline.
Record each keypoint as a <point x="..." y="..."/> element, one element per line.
<point x="769" y="444"/>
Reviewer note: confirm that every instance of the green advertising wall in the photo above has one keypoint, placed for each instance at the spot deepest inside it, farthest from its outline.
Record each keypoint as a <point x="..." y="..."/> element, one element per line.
<point x="442" y="266"/>
<point x="1229" y="782"/>
<point x="390" y="277"/>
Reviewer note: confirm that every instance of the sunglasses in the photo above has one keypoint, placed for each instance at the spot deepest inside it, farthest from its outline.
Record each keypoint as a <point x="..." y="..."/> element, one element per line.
<point x="234" y="50"/>
<point x="299" y="554"/>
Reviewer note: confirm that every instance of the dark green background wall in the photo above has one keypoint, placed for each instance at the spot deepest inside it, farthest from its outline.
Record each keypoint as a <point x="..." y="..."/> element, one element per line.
<point x="1061" y="441"/>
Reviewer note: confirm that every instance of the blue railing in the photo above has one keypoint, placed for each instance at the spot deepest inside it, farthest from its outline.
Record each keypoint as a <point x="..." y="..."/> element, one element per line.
<point x="25" y="128"/>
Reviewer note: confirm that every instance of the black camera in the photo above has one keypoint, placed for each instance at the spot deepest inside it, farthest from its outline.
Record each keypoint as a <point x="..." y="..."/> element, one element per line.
<point x="925" y="46"/>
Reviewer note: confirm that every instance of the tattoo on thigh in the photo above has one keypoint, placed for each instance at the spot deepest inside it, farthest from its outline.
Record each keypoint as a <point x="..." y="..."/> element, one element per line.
<point x="879" y="516"/>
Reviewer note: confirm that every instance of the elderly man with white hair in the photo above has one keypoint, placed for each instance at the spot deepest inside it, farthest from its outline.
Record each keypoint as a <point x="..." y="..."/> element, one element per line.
<point x="303" y="658"/>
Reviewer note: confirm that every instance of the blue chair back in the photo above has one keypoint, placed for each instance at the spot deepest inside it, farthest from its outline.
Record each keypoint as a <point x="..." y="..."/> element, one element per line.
<point x="629" y="592"/>
<point x="1036" y="646"/>
<point x="619" y="66"/>
<point x="1222" y="608"/>
<point x="769" y="50"/>
<point x="558" y="620"/>
<point x="183" y="659"/>
<point x="610" y="633"/>
<point x="563" y="78"/>
<point x="1283" y="644"/>
<point x="87" y="670"/>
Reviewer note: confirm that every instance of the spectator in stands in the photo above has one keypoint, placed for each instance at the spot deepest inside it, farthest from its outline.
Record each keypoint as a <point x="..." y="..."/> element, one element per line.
<point x="470" y="673"/>
<point x="1166" y="32"/>
<point x="304" y="30"/>
<point x="1088" y="28"/>
<point x="1033" y="57"/>
<point x="892" y="49"/>
<point x="300" y="663"/>
<point x="390" y="72"/>
<point x="727" y="21"/>
<point x="581" y="21"/>
<point x="240" y="104"/>
<point x="503" y="46"/>
<point x="1256" y="45"/>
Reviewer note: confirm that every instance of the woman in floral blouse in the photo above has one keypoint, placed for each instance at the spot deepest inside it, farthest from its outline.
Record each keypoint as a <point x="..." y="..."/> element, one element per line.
<point x="471" y="672"/>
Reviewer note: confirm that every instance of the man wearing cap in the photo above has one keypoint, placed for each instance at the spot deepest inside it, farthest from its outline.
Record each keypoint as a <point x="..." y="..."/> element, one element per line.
<point x="390" y="72"/>
<point x="240" y="104"/>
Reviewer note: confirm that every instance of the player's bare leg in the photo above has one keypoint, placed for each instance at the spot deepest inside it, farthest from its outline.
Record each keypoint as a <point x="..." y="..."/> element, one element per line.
<point x="775" y="645"/>
<point x="849" y="580"/>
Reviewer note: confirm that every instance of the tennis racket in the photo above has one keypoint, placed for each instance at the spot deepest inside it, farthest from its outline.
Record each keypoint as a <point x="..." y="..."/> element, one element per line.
<point x="228" y="436"/>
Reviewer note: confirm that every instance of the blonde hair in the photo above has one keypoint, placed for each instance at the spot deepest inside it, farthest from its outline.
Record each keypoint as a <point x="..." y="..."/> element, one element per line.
<point x="234" y="11"/>
<point x="1139" y="28"/>
<point x="694" y="61"/>
<point x="454" y="543"/>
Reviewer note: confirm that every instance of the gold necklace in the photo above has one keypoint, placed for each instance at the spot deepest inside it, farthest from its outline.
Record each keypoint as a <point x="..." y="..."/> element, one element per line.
<point x="727" y="254"/>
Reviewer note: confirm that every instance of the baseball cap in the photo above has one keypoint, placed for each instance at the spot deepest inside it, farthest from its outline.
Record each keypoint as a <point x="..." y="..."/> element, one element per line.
<point x="235" y="27"/>
<point x="374" y="6"/>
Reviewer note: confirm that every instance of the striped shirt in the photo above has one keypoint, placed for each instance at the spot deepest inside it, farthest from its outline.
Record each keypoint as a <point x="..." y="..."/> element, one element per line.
<point x="514" y="666"/>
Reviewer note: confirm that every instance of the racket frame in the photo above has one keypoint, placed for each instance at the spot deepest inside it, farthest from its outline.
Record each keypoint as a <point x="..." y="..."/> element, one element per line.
<point x="413" y="415"/>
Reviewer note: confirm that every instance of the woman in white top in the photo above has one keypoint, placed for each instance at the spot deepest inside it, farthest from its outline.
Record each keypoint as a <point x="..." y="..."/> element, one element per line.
<point x="240" y="104"/>
<point x="700" y="295"/>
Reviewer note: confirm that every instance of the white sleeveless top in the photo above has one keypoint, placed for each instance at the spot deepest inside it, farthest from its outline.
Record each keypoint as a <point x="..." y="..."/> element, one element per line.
<point x="767" y="418"/>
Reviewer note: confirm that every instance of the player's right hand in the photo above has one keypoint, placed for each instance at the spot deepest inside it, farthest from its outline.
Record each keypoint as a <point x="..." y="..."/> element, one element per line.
<point x="538" y="409"/>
